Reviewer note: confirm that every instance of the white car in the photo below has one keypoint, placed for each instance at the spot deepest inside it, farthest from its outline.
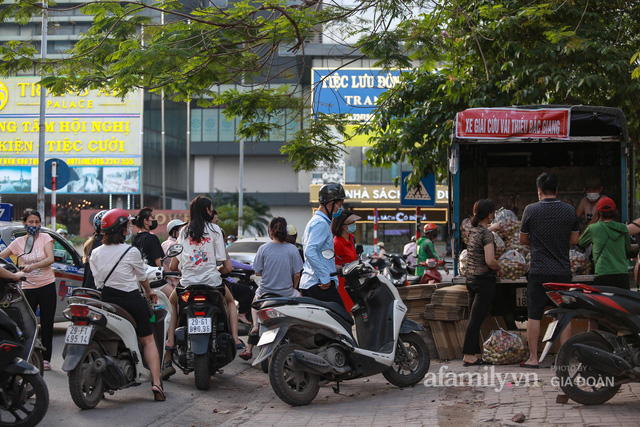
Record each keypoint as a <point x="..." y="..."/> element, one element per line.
<point x="244" y="250"/>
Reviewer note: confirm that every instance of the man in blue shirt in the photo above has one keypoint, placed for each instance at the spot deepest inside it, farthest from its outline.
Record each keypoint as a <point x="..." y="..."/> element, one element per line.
<point x="316" y="281"/>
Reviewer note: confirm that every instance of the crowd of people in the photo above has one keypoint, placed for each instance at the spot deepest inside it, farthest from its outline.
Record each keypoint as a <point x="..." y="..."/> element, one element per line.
<point x="549" y="228"/>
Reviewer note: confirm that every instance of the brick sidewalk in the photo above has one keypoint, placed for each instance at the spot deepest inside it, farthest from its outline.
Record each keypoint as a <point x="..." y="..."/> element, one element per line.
<point x="373" y="401"/>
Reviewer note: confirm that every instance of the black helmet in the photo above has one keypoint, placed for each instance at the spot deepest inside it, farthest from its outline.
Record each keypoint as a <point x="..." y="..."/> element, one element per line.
<point x="331" y="192"/>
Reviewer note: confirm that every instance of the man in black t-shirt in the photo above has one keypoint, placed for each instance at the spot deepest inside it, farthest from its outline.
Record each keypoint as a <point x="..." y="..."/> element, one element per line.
<point x="550" y="227"/>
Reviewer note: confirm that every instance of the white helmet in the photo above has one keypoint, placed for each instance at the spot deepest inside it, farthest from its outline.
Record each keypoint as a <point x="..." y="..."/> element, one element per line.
<point x="173" y="224"/>
<point x="61" y="231"/>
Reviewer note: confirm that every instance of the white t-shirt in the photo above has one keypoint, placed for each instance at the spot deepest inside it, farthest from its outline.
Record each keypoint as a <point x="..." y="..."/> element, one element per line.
<point x="198" y="260"/>
<point x="130" y="270"/>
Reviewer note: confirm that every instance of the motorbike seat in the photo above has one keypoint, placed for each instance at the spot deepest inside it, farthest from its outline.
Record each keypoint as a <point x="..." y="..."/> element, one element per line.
<point x="334" y="307"/>
<point x="619" y="291"/>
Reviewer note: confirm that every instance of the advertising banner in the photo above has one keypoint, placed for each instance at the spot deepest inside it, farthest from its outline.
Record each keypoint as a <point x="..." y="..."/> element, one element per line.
<point x="357" y="193"/>
<point x="95" y="132"/>
<point x="351" y="91"/>
<point x="502" y="123"/>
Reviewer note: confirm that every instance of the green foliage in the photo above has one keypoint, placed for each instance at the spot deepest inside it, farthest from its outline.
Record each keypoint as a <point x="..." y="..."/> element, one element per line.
<point x="255" y="214"/>
<point x="493" y="54"/>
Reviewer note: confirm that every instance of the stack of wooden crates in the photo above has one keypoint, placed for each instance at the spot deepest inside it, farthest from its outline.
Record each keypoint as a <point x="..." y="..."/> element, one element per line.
<point x="447" y="315"/>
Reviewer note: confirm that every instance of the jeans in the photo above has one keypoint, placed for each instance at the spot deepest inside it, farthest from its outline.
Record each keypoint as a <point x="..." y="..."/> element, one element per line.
<point x="481" y="292"/>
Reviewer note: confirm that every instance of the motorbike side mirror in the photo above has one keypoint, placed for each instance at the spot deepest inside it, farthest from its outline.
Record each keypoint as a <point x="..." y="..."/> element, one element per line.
<point x="328" y="254"/>
<point x="359" y="249"/>
<point x="174" y="250"/>
<point x="28" y="245"/>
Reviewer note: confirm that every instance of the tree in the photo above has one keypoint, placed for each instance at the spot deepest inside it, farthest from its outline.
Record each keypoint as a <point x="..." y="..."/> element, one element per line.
<point x="487" y="53"/>
<point x="196" y="49"/>
<point x="255" y="214"/>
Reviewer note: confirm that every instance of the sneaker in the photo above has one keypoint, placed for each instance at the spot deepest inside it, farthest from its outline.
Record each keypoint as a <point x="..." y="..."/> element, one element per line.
<point x="167" y="371"/>
<point x="46" y="365"/>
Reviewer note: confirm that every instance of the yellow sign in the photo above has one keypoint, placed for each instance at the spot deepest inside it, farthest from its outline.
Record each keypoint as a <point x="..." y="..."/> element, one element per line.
<point x="90" y="124"/>
<point x="388" y="194"/>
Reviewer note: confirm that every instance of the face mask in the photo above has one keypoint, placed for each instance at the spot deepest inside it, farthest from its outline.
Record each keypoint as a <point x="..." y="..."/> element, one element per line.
<point x="593" y="196"/>
<point x="154" y="224"/>
<point x="351" y="228"/>
<point x="337" y="214"/>
<point x="31" y="229"/>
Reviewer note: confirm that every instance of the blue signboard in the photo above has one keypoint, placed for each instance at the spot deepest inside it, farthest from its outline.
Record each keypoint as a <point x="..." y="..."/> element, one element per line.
<point x="422" y="195"/>
<point x="6" y="212"/>
<point x="62" y="173"/>
<point x="350" y="91"/>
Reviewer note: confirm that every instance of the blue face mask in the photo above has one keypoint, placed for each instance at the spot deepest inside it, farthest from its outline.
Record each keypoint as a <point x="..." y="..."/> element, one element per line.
<point x="351" y="228"/>
<point x="337" y="214"/>
<point x="31" y="229"/>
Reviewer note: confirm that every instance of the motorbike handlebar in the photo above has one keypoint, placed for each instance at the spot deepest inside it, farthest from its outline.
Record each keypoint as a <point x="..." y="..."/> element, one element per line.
<point x="172" y="274"/>
<point x="335" y="273"/>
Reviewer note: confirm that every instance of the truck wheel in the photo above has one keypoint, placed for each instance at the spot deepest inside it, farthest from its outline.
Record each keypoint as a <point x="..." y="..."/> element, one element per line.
<point x="579" y="381"/>
<point x="410" y="368"/>
<point x="201" y="371"/>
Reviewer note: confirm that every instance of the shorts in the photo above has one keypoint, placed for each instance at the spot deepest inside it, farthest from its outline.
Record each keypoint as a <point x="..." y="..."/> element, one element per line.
<point x="134" y="304"/>
<point x="537" y="298"/>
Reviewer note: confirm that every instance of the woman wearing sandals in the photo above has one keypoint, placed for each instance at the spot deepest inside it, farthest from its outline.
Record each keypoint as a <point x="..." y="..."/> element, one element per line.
<point x="481" y="278"/>
<point x="204" y="247"/>
<point x="279" y="265"/>
<point x="118" y="288"/>
<point x="36" y="266"/>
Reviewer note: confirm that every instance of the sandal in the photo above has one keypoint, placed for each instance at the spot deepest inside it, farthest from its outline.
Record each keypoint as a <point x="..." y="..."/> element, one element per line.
<point x="158" y="394"/>
<point x="245" y="355"/>
<point x="241" y="345"/>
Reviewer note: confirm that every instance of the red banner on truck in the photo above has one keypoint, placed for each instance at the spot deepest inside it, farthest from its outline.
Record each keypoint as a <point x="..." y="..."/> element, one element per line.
<point x="500" y="123"/>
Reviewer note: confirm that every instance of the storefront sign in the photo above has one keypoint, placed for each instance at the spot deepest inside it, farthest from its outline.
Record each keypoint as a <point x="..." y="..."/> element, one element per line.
<point x="496" y="123"/>
<point x="357" y="193"/>
<point x="397" y="216"/>
<point x="91" y="131"/>
<point x="351" y="91"/>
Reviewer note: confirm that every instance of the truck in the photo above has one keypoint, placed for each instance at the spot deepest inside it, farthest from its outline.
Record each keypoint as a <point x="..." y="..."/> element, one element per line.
<point x="497" y="153"/>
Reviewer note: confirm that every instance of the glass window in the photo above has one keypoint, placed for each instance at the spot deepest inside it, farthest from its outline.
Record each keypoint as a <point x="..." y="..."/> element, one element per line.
<point x="210" y="121"/>
<point x="196" y="125"/>
<point x="227" y="129"/>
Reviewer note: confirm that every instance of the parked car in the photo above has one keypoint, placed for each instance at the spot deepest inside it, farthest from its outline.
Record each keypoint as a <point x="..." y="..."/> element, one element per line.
<point x="67" y="265"/>
<point x="244" y="250"/>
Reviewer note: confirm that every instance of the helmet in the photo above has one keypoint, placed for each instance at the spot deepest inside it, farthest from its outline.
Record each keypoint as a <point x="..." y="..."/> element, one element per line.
<point x="430" y="227"/>
<point x="291" y="230"/>
<point x="173" y="224"/>
<point x="96" y="220"/>
<point x="381" y="244"/>
<point x="330" y="192"/>
<point x="61" y="231"/>
<point x="232" y="237"/>
<point x="114" y="220"/>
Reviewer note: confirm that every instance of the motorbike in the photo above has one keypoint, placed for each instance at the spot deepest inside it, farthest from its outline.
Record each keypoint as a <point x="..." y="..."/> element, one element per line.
<point x="242" y="284"/>
<point x="309" y="341"/>
<point x="24" y="397"/>
<point x="431" y="273"/>
<point x="592" y="366"/>
<point x="14" y="303"/>
<point x="203" y="339"/>
<point x="396" y="270"/>
<point x="102" y="352"/>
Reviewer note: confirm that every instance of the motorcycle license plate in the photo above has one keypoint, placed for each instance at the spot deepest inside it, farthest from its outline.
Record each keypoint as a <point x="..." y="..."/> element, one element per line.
<point x="268" y="337"/>
<point x="78" y="335"/>
<point x="199" y="325"/>
<point x="521" y="297"/>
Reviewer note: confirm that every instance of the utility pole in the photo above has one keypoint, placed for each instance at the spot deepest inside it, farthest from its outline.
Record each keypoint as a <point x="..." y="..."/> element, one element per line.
<point x="41" y="121"/>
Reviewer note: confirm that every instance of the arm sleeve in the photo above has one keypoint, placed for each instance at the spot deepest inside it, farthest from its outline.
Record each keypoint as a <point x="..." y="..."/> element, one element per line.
<point x="627" y="243"/>
<point x="585" y="238"/>
<point x="296" y="261"/>
<point x="15" y="247"/>
<point x="139" y="269"/>
<point x="258" y="261"/>
<point x="313" y="255"/>
<point x="218" y="243"/>
<point x="524" y="224"/>
<point x="155" y="248"/>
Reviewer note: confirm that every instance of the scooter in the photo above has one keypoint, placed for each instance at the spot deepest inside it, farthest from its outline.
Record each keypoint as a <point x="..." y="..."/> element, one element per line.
<point x="203" y="339"/>
<point x="24" y="397"/>
<point x="592" y="366"/>
<point x="431" y="274"/>
<point x="396" y="270"/>
<point x="309" y="340"/>
<point x="14" y="303"/>
<point x="102" y="352"/>
<point x="242" y="284"/>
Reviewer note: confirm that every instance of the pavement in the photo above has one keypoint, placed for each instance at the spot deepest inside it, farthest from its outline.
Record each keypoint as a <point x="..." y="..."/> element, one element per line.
<point x="494" y="400"/>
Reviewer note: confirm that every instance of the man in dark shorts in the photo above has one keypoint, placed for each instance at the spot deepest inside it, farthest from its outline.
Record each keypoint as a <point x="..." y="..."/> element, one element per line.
<point x="549" y="227"/>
